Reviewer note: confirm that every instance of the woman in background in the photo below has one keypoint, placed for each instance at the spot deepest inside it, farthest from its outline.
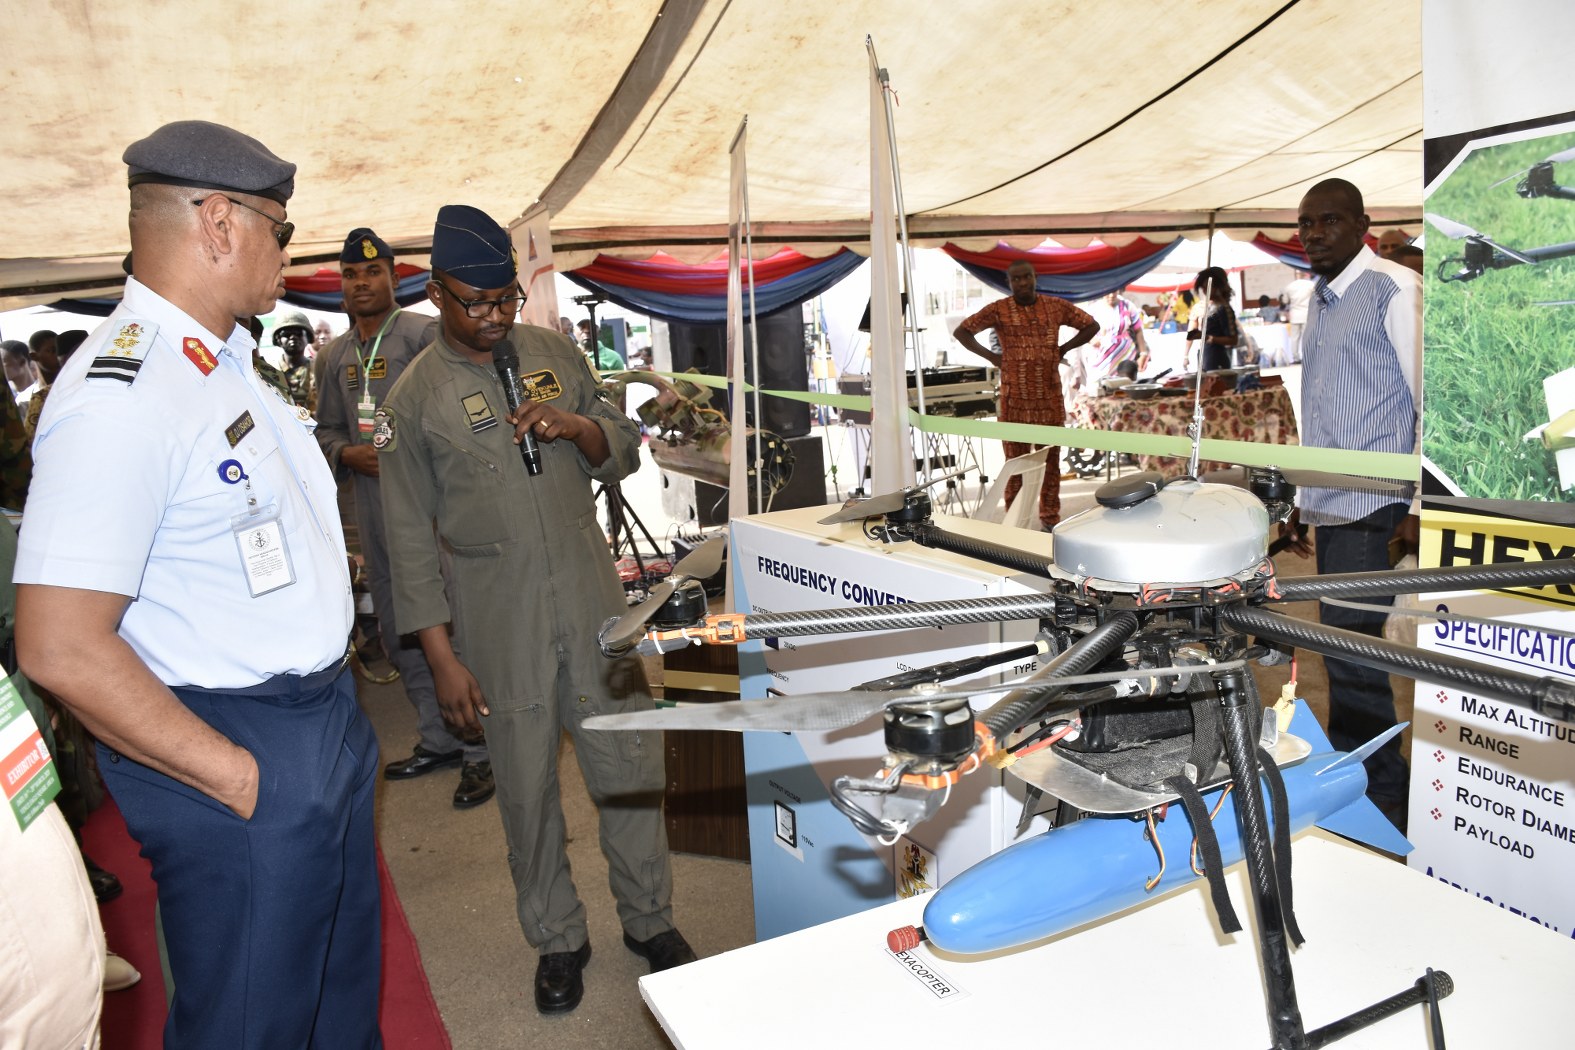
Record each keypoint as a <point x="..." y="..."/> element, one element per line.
<point x="1220" y="332"/>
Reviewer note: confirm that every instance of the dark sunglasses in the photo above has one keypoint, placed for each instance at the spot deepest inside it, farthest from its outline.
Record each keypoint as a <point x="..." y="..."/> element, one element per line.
<point x="282" y="231"/>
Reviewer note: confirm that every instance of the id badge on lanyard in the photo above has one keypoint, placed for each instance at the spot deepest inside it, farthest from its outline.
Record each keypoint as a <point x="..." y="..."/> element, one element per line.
<point x="259" y="537"/>
<point x="265" y="557"/>
<point x="366" y="408"/>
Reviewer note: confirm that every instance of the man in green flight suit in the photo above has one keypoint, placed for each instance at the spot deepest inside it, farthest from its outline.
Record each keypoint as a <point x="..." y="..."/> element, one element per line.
<point x="359" y="370"/>
<point x="533" y="581"/>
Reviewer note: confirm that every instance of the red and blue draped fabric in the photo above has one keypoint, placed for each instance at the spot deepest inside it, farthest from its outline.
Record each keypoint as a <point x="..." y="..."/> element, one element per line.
<point x="321" y="290"/>
<point x="1075" y="274"/>
<point x="1291" y="253"/>
<point x="1288" y="252"/>
<point x="673" y="291"/>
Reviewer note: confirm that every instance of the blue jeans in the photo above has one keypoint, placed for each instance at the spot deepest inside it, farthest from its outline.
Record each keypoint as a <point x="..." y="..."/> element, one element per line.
<point x="1361" y="703"/>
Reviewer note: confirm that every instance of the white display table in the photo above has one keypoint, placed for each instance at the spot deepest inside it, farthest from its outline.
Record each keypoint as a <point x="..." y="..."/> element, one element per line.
<point x="1160" y="975"/>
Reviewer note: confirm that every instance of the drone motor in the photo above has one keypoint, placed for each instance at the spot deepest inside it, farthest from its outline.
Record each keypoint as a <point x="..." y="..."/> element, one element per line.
<point x="935" y="735"/>
<point x="1277" y="494"/>
<point x="685" y="607"/>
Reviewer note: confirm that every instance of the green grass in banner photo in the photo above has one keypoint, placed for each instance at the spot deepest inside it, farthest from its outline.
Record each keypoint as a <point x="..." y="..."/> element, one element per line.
<point x="1488" y="346"/>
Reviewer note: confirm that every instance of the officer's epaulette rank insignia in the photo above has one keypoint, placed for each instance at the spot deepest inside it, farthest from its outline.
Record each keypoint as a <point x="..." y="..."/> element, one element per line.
<point x="121" y="357"/>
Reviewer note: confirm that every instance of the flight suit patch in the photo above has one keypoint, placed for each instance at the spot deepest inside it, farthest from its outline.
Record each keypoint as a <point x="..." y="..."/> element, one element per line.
<point x="385" y="438"/>
<point x="378" y="369"/>
<point x="541" y="386"/>
<point x="353" y="377"/>
<point x="478" y="413"/>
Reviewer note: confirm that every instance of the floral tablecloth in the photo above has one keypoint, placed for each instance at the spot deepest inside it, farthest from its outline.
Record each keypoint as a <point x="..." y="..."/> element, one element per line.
<point x="1258" y="415"/>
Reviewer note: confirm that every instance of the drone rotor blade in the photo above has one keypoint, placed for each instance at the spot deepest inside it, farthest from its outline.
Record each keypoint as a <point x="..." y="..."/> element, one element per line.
<point x="1320" y="479"/>
<point x="823" y="712"/>
<point x="1450" y="228"/>
<point x="1508" y="178"/>
<point x="704" y="561"/>
<point x="1512" y="253"/>
<point x="874" y="507"/>
<point x="629" y="628"/>
<point x="1556" y="158"/>
<point x="782" y="714"/>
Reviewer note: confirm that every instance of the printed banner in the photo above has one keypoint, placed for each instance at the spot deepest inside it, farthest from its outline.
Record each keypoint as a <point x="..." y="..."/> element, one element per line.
<point x="532" y="237"/>
<point x="1491" y="783"/>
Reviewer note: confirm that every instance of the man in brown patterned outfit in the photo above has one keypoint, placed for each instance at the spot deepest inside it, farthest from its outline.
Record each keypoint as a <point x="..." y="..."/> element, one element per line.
<point x="1028" y="326"/>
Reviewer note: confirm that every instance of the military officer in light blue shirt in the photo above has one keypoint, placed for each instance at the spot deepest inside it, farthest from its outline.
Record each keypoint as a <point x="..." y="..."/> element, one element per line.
<point x="183" y="588"/>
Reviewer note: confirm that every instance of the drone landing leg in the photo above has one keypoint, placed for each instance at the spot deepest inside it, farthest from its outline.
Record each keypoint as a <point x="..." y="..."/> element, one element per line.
<point x="1238" y="698"/>
<point x="1285" y="1019"/>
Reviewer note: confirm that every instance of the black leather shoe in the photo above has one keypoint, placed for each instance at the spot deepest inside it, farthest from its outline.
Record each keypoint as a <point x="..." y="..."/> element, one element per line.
<point x="559" y="986"/>
<point x="420" y="761"/>
<point x="475" y="785"/>
<point x="664" y="951"/>
<point x="106" y="887"/>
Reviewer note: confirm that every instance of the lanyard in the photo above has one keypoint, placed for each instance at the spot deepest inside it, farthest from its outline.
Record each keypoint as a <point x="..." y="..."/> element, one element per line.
<point x="366" y="364"/>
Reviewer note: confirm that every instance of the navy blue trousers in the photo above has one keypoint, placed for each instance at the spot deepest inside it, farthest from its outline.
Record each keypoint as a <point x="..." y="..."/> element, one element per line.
<point x="273" y="923"/>
<point x="1361" y="701"/>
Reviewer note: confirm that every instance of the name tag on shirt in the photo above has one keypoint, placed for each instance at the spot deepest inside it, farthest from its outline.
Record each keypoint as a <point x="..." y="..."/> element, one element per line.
<point x="541" y="386"/>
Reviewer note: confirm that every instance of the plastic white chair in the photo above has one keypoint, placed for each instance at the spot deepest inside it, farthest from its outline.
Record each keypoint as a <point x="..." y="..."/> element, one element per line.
<point x="1024" y="512"/>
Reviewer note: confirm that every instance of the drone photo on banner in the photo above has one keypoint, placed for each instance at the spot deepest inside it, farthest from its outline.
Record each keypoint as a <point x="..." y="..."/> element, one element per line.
<point x="1500" y="368"/>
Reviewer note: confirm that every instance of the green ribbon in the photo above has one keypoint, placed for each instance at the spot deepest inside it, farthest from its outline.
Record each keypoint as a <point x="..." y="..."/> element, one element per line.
<point x="1398" y="466"/>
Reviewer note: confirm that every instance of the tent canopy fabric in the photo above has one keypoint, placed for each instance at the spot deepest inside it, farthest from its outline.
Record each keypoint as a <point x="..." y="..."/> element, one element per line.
<point x="1078" y="274"/>
<point x="696" y="294"/>
<point x="1013" y="121"/>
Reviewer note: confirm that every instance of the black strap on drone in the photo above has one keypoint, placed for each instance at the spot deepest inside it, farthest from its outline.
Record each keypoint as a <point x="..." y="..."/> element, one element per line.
<point x="1209" y="847"/>
<point x="1282" y="843"/>
<point x="1208" y="741"/>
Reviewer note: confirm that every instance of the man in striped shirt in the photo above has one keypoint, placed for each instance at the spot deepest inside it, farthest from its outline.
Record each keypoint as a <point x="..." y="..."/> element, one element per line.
<point x="1361" y="389"/>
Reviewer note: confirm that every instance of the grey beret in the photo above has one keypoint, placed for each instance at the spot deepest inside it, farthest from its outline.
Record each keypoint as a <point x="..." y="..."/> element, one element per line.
<point x="209" y="156"/>
<point x="469" y="246"/>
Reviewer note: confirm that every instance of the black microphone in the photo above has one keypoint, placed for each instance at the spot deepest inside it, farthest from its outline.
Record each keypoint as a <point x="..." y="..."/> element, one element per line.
<point x="507" y="362"/>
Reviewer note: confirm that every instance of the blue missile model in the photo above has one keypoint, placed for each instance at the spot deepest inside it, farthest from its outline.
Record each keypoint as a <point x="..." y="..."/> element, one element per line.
<point x="1098" y="866"/>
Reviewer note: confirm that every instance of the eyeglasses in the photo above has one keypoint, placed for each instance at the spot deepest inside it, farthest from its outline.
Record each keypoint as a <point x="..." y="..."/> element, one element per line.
<point x="282" y="231"/>
<point x="476" y="309"/>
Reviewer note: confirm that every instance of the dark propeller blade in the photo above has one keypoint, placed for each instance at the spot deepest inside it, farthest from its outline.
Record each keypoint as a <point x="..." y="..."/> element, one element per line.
<point x="698" y="564"/>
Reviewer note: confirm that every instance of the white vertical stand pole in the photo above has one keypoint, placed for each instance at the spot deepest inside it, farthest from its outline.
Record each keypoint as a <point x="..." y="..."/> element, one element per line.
<point x="737" y="477"/>
<point x="891" y="447"/>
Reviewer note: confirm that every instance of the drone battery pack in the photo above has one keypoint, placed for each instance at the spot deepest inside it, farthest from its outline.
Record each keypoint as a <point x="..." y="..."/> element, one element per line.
<point x="1118" y="727"/>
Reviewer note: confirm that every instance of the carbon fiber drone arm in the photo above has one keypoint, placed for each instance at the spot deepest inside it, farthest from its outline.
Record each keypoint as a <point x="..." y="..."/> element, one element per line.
<point x="1417" y="581"/>
<point x="732" y="628"/>
<point x="928" y="535"/>
<point x="1012" y="709"/>
<point x="1554" y="697"/>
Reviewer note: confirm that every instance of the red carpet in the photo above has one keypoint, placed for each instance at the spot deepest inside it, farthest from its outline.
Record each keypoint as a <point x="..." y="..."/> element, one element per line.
<point x="134" y="1018"/>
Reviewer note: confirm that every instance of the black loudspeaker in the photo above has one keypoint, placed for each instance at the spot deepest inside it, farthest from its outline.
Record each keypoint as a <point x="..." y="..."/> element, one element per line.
<point x="783" y="363"/>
